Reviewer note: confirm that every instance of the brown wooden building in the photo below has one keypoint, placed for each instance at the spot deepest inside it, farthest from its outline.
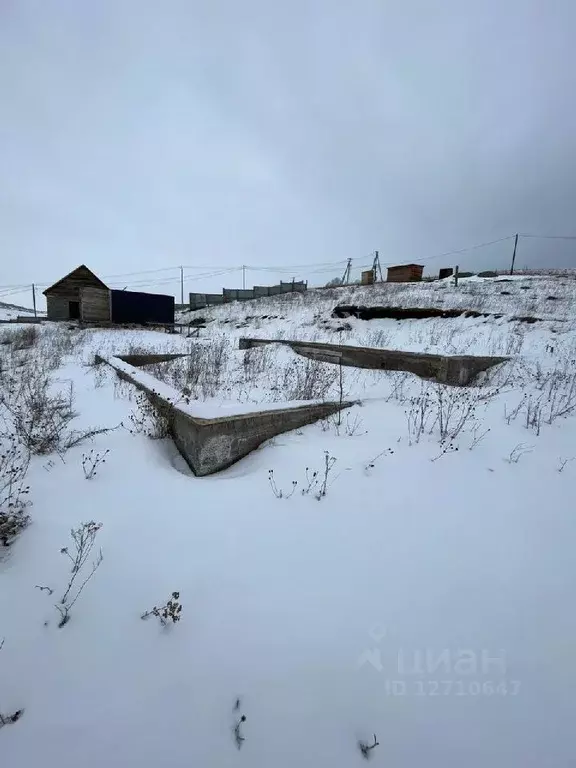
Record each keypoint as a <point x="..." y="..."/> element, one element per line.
<point x="405" y="273"/>
<point x="79" y="296"/>
<point x="368" y="277"/>
<point x="83" y="296"/>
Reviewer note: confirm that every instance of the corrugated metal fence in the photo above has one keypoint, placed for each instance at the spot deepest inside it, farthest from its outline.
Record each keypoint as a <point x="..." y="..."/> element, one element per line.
<point x="202" y="300"/>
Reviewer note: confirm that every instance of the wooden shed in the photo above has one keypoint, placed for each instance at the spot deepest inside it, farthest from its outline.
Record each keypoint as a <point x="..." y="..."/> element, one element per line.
<point x="368" y="277"/>
<point x="405" y="273"/>
<point x="78" y="296"/>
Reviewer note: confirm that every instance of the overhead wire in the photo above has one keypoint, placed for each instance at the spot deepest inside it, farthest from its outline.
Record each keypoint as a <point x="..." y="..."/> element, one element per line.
<point x="175" y="279"/>
<point x="288" y="267"/>
<point x="142" y="272"/>
<point x="312" y="268"/>
<point x="14" y="292"/>
<point x="548" y="237"/>
<point x="454" y="253"/>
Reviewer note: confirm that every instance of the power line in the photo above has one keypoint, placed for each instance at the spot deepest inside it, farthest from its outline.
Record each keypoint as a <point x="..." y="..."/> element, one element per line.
<point x="175" y="279"/>
<point x="207" y="266"/>
<point x="549" y="237"/>
<point x="142" y="272"/>
<point x="313" y="268"/>
<point x="4" y="294"/>
<point x="136" y="286"/>
<point x="396" y="262"/>
<point x="287" y="267"/>
<point x="14" y="287"/>
<point x="118" y="277"/>
<point x="163" y="269"/>
<point x="455" y="253"/>
<point x="337" y="267"/>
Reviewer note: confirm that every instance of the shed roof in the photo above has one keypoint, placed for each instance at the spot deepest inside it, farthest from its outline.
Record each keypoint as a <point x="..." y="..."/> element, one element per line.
<point x="403" y="266"/>
<point x="81" y="271"/>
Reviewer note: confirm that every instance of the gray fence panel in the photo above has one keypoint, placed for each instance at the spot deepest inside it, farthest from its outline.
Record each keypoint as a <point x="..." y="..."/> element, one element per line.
<point x="201" y="300"/>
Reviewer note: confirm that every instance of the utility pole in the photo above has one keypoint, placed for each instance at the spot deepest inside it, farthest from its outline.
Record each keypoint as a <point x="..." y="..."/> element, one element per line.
<point x="243" y="276"/>
<point x="182" y="286"/>
<point x="346" y="275"/>
<point x="514" y="254"/>
<point x="34" y="299"/>
<point x="376" y="267"/>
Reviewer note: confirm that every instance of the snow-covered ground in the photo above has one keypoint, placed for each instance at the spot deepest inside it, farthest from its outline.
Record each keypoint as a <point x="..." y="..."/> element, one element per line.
<point x="12" y="311"/>
<point x="540" y="296"/>
<point x="425" y="598"/>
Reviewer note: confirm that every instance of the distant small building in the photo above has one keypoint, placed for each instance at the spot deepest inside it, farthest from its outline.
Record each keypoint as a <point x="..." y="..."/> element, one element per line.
<point x="368" y="277"/>
<point x="405" y="273"/>
<point x="81" y="295"/>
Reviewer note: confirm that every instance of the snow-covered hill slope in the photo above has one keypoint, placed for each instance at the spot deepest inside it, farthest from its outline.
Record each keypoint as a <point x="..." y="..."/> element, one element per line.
<point x="550" y="297"/>
<point x="405" y="571"/>
<point x="551" y="300"/>
<point x="12" y="311"/>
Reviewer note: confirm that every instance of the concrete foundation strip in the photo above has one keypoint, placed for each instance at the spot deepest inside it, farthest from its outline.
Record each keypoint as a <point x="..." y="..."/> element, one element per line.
<point x="210" y="445"/>
<point x="456" y="370"/>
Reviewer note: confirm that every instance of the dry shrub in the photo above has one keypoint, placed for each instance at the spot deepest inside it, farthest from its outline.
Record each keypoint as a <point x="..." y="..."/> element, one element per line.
<point x="83" y="541"/>
<point x="38" y="418"/>
<point x="14" y="461"/>
<point x="57" y="342"/>
<point x="138" y="349"/>
<point x="22" y="338"/>
<point x="447" y="411"/>
<point x="308" y="380"/>
<point x="210" y="370"/>
<point x="200" y="375"/>
<point x="256" y="361"/>
<point x="151" y="419"/>
<point x="553" y="396"/>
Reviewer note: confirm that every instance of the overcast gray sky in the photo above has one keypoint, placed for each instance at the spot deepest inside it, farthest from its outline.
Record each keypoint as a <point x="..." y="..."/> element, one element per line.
<point x="137" y="135"/>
